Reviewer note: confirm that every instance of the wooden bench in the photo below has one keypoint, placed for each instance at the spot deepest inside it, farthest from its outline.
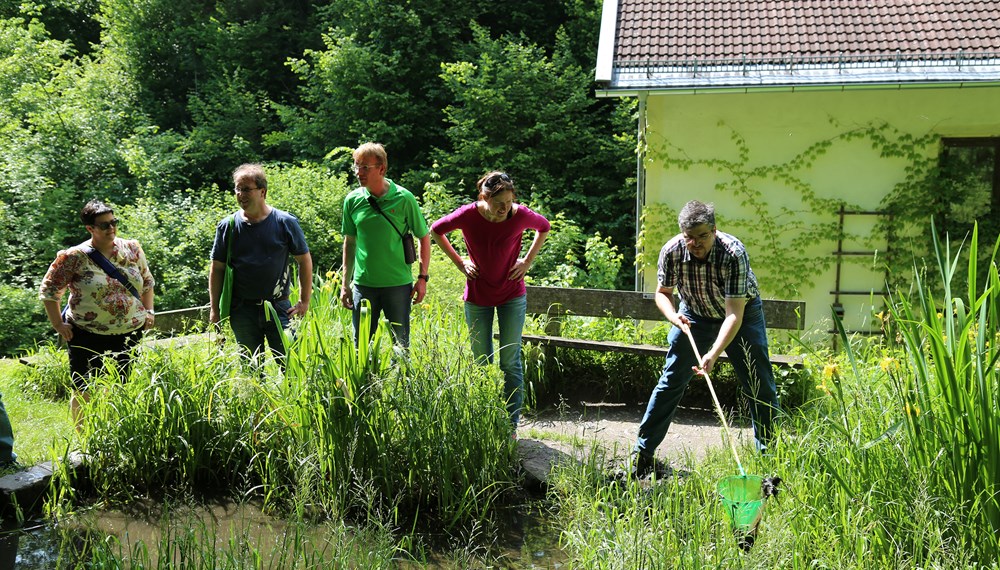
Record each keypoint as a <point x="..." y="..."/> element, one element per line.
<point x="558" y="302"/>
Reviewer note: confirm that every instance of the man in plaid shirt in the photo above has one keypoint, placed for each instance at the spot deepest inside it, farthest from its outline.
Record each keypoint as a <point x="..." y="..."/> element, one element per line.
<point x="720" y="305"/>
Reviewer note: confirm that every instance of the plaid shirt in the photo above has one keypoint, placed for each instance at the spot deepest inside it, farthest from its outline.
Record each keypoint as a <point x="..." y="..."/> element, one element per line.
<point x="705" y="285"/>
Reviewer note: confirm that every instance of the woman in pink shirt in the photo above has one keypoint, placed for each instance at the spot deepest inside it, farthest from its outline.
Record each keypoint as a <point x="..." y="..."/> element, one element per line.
<point x="492" y="228"/>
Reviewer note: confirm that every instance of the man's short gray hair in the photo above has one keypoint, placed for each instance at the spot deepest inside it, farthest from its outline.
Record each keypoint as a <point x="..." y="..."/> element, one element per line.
<point x="694" y="214"/>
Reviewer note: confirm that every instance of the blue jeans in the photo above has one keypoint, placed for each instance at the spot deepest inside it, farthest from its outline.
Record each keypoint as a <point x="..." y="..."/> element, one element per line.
<point x="751" y="361"/>
<point x="393" y="302"/>
<point x="251" y="326"/>
<point x="510" y="317"/>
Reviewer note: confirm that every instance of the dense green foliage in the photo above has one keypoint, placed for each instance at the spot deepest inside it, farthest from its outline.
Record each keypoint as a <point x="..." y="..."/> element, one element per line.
<point x="150" y="104"/>
<point x="21" y="319"/>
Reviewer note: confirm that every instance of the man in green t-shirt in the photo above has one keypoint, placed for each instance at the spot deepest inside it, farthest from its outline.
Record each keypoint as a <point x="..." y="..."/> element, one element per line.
<point x="378" y="216"/>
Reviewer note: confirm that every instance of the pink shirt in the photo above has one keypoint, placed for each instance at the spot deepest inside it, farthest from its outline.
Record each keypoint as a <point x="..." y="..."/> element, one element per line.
<point x="494" y="247"/>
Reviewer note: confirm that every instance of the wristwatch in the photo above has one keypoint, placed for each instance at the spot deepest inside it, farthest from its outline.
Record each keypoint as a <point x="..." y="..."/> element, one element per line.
<point x="150" y="312"/>
<point x="423" y="276"/>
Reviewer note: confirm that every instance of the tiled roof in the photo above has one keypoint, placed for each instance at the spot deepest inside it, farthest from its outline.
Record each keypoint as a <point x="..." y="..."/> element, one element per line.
<point x="651" y="30"/>
<point x="700" y="33"/>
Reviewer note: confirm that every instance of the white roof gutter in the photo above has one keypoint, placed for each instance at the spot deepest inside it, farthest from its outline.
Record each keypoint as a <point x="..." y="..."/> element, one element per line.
<point x="633" y="92"/>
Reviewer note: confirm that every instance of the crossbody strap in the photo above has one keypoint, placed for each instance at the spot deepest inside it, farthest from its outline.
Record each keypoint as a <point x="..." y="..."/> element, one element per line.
<point x="232" y="236"/>
<point x="110" y="269"/>
<point x="373" y="202"/>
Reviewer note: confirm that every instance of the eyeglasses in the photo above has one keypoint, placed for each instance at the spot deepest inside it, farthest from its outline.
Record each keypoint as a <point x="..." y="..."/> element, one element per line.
<point x="244" y="190"/>
<point x="105" y="226"/>
<point x="703" y="236"/>
<point x="366" y="167"/>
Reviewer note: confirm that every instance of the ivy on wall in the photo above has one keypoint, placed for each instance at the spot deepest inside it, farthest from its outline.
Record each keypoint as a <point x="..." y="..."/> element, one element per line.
<point x="783" y="239"/>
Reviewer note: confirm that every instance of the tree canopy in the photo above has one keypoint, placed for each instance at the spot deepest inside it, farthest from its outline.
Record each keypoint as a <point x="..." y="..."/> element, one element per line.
<point x="150" y="104"/>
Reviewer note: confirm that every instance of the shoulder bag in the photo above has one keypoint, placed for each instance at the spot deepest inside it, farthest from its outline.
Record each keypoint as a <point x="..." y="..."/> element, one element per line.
<point x="226" y="298"/>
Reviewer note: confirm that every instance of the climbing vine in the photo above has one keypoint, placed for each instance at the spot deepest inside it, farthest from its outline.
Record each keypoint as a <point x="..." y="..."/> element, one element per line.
<point x="783" y="237"/>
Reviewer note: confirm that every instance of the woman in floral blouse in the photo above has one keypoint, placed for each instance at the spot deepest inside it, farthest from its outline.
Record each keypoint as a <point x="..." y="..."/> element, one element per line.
<point x="103" y="314"/>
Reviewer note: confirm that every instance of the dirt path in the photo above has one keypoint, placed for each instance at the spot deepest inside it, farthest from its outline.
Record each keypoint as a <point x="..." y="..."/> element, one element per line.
<point x="547" y="436"/>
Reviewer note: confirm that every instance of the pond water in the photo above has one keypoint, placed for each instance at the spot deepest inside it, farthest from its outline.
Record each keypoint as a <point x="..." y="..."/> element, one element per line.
<point x="523" y="538"/>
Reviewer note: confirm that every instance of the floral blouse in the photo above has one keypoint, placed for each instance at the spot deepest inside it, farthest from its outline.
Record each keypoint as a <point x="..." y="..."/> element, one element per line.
<point x="98" y="302"/>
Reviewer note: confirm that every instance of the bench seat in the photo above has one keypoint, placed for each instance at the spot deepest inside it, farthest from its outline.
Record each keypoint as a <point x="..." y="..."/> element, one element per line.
<point x="556" y="303"/>
<point x="780" y="360"/>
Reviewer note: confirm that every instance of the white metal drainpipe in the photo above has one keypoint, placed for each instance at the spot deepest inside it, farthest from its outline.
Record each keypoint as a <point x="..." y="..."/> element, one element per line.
<point x="640" y="187"/>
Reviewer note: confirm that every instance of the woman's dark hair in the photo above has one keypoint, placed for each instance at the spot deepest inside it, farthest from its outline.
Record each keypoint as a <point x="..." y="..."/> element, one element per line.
<point x="493" y="183"/>
<point x="93" y="209"/>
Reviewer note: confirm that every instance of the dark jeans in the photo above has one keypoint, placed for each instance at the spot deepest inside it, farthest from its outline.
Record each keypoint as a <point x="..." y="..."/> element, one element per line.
<point x="6" y="437"/>
<point x="87" y="350"/>
<point x="393" y="302"/>
<point x="748" y="353"/>
<point x="252" y="325"/>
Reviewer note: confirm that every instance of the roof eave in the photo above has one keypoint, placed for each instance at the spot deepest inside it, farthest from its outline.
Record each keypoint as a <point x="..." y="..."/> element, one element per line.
<point x="628" y="80"/>
<point x="608" y="92"/>
<point x="606" y="41"/>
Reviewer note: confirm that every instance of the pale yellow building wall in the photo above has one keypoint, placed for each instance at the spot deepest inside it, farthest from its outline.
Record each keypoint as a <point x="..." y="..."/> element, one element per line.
<point x="776" y="127"/>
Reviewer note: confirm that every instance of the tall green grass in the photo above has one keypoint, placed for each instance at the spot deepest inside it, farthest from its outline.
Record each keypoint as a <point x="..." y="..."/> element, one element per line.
<point x="952" y="395"/>
<point x="891" y="463"/>
<point x="370" y="431"/>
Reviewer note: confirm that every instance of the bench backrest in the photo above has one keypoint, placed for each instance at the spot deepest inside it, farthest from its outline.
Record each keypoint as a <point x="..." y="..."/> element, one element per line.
<point x="639" y="305"/>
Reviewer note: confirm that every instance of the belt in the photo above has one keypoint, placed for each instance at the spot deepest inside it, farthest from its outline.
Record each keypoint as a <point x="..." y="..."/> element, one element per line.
<point x="258" y="301"/>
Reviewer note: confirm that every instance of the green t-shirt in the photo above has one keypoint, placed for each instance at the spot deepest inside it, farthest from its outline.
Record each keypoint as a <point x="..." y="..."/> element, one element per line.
<point x="378" y="259"/>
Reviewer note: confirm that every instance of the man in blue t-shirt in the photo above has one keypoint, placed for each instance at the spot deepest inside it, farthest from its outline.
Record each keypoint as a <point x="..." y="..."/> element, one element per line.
<point x="263" y="240"/>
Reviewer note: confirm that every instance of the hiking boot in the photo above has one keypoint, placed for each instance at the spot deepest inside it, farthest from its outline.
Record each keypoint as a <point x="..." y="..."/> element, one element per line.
<point x="640" y="466"/>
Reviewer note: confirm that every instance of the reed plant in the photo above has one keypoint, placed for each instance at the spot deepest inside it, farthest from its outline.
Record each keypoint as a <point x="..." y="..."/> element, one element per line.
<point x="890" y="463"/>
<point x="335" y="429"/>
<point x="951" y="395"/>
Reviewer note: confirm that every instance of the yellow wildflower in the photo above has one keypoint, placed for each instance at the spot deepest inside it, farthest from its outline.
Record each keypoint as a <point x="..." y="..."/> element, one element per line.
<point x="888" y="364"/>
<point x="329" y="274"/>
<point x="912" y="410"/>
<point x="830" y="370"/>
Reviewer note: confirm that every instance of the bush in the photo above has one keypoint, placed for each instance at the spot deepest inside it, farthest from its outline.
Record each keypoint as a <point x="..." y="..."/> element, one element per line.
<point x="315" y="195"/>
<point x="22" y="320"/>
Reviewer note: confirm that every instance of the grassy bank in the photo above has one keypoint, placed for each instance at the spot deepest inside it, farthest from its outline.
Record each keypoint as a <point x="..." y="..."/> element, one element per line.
<point x="40" y="423"/>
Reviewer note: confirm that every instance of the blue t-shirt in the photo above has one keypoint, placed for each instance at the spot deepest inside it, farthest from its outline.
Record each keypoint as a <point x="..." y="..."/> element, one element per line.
<point x="261" y="254"/>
